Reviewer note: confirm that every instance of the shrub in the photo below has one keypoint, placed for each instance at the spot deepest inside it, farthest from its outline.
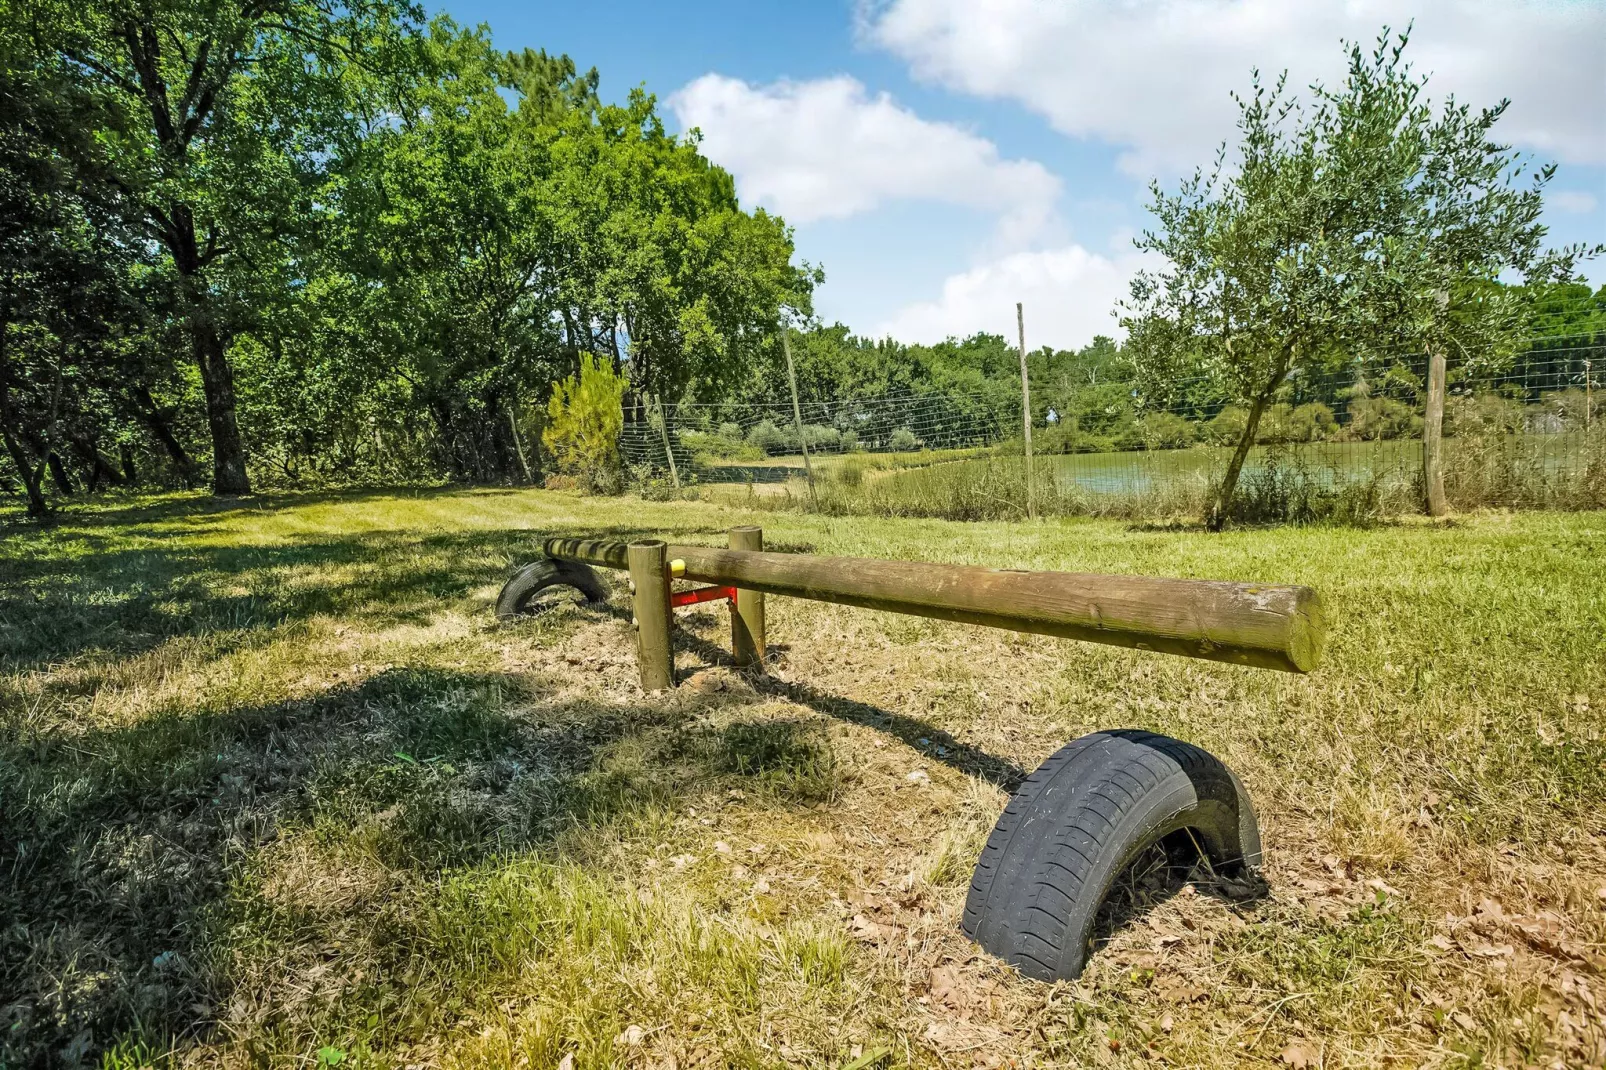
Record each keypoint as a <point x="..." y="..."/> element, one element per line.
<point x="1166" y="431"/>
<point x="903" y="440"/>
<point x="850" y="441"/>
<point x="1373" y="418"/>
<point x="1227" y="426"/>
<point x="584" y="419"/>
<point x="769" y="438"/>
<point x="822" y="438"/>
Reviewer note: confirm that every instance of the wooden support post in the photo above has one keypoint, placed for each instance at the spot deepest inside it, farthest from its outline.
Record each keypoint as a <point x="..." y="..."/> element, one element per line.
<point x="663" y="429"/>
<point x="649" y="588"/>
<point x="1026" y="411"/>
<point x="1589" y="399"/>
<point x="797" y="414"/>
<point x="747" y="612"/>
<point x="1433" y="437"/>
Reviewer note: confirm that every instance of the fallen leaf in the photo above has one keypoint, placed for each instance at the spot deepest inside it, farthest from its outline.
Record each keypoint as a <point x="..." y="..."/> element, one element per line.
<point x="1442" y="942"/>
<point x="721" y="847"/>
<point x="631" y="1037"/>
<point x="1300" y="1054"/>
<point x="761" y="886"/>
<point x="567" y="1062"/>
<point x="944" y="987"/>
<point x="919" y="776"/>
<point x="865" y="929"/>
<point x="1378" y="884"/>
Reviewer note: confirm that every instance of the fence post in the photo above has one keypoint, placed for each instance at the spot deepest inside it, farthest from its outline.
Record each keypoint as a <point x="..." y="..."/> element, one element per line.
<point x="797" y="415"/>
<point x="649" y="588"/>
<point x="1026" y="412"/>
<point x="747" y="614"/>
<point x="1433" y="436"/>
<point x="1589" y="398"/>
<point x="663" y="429"/>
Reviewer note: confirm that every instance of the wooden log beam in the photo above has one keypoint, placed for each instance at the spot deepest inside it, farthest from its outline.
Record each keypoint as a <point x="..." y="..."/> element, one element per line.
<point x="1264" y="625"/>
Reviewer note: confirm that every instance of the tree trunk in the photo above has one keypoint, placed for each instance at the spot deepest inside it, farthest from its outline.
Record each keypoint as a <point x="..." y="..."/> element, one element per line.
<point x="59" y="474"/>
<point x="100" y="466"/>
<point x="159" y="427"/>
<point x="217" y="380"/>
<point x="518" y="445"/>
<point x="1229" y="482"/>
<point x="125" y="454"/>
<point x="32" y="478"/>
<point x="1433" y="437"/>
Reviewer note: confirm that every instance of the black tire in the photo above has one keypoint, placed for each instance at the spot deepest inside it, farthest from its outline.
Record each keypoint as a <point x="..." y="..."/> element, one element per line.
<point x="537" y="576"/>
<point x="1078" y="822"/>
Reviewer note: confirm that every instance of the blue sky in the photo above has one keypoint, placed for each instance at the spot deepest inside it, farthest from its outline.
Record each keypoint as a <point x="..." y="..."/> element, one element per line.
<point x="943" y="159"/>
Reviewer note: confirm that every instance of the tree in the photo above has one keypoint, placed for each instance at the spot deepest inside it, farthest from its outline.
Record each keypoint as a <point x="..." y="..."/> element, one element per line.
<point x="67" y="307"/>
<point x="1450" y="221"/>
<point x="1264" y="270"/>
<point x="1361" y="224"/>
<point x="223" y="119"/>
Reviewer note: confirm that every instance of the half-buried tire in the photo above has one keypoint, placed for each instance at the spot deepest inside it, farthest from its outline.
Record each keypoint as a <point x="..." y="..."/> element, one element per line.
<point x="1078" y="822"/>
<point x="520" y="591"/>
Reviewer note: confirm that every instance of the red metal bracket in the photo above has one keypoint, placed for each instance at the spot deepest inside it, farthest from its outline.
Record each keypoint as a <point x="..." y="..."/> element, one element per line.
<point x="701" y="594"/>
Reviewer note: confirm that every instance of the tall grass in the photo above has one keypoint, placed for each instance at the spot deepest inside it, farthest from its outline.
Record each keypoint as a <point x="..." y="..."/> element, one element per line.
<point x="1284" y="484"/>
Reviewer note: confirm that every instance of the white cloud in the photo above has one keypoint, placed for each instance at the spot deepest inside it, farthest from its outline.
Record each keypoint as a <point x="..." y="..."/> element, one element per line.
<point x="1154" y="77"/>
<point x="826" y="149"/>
<point x="1569" y="200"/>
<point x="1068" y="293"/>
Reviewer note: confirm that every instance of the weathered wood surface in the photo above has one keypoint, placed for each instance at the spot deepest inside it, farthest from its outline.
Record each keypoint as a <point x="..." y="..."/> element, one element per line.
<point x="747" y="615"/>
<point x="1265" y="625"/>
<point x="649" y="588"/>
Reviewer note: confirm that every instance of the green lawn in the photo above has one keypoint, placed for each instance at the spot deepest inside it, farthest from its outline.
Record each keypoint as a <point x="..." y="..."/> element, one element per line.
<point x="276" y="789"/>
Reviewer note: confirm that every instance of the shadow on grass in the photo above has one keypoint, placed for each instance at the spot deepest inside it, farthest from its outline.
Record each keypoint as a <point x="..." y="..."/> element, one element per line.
<point x="105" y="596"/>
<point x="933" y="742"/>
<point x="137" y="863"/>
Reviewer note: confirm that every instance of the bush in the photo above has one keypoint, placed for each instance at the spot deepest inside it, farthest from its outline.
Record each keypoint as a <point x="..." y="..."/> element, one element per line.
<point x="769" y="438"/>
<point x="1227" y="426"/>
<point x="584" y="419"/>
<point x="1373" y="418"/>
<point x="822" y="438"/>
<point x="850" y="441"/>
<point x="903" y="440"/>
<point x="1166" y="431"/>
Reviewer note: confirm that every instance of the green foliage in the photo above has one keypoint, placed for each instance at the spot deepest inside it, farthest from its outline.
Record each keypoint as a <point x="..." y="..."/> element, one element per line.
<point x="1362" y="222"/>
<point x="584" y="418"/>
<point x="903" y="440"/>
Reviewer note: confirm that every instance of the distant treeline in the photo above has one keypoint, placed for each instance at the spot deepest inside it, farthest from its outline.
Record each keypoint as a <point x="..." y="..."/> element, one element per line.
<point x="298" y="241"/>
<point x="1094" y="399"/>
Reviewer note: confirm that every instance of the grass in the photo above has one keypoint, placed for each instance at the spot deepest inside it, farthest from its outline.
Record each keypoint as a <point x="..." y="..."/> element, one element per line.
<point x="1346" y="481"/>
<point x="275" y="790"/>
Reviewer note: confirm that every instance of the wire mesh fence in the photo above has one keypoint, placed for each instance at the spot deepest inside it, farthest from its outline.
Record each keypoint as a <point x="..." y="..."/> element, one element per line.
<point x="1531" y="435"/>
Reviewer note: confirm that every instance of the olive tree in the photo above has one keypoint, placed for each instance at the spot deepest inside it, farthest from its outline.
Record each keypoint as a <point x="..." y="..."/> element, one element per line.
<point x="1361" y="222"/>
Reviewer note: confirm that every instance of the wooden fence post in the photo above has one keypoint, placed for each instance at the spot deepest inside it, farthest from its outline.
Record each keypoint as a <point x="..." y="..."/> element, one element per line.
<point x="663" y="429"/>
<point x="1433" y="436"/>
<point x="649" y="588"/>
<point x="797" y="415"/>
<point x="1026" y="412"/>
<point x="747" y="612"/>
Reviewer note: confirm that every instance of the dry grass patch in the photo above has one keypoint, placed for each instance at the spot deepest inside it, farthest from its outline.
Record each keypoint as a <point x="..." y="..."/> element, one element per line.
<point x="275" y="790"/>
